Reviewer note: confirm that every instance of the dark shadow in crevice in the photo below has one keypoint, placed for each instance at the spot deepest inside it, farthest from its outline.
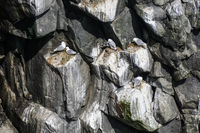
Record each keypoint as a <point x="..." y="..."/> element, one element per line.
<point x="32" y="47"/>
<point x="120" y="127"/>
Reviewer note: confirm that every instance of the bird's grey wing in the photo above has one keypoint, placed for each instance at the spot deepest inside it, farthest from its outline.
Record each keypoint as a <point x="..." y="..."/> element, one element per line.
<point x="136" y="83"/>
<point x="140" y="43"/>
<point x="71" y="52"/>
<point x="59" y="48"/>
<point x="113" y="45"/>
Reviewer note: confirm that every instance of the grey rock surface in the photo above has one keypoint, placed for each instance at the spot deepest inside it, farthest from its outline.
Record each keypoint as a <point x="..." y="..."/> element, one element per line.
<point x="171" y="127"/>
<point x="133" y="105"/>
<point x="187" y="93"/>
<point x="165" y="108"/>
<point x="115" y="68"/>
<point x="139" y="58"/>
<point x="105" y="11"/>
<point x="43" y="91"/>
<point x="32" y="19"/>
<point x="125" y="27"/>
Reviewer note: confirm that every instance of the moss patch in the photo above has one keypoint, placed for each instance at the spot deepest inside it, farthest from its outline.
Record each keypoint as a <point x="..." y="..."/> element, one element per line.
<point x="139" y="125"/>
<point x="125" y="111"/>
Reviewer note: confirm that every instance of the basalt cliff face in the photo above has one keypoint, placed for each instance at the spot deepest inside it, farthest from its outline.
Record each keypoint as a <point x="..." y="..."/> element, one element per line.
<point x="92" y="91"/>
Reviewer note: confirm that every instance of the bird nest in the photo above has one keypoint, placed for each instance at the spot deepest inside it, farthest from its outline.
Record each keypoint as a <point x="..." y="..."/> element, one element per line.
<point x="59" y="58"/>
<point x="131" y="48"/>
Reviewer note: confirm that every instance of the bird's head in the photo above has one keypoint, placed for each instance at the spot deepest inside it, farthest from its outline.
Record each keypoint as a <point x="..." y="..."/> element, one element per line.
<point x="63" y="43"/>
<point x="67" y="48"/>
<point x="134" y="40"/>
<point x="139" y="78"/>
<point x="110" y="40"/>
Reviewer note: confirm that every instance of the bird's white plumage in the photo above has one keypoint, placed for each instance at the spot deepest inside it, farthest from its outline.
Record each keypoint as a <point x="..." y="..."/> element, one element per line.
<point x="139" y="42"/>
<point x="70" y="51"/>
<point x="137" y="81"/>
<point x="61" y="47"/>
<point x="110" y="43"/>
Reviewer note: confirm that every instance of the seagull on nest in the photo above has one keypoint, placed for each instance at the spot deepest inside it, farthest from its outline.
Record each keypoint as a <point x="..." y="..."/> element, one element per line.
<point x="70" y="51"/>
<point x="137" y="81"/>
<point x="63" y="46"/>
<point x="139" y="42"/>
<point x="110" y="43"/>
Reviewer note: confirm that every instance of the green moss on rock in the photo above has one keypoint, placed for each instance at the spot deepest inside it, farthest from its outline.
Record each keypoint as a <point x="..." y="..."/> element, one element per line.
<point x="126" y="113"/>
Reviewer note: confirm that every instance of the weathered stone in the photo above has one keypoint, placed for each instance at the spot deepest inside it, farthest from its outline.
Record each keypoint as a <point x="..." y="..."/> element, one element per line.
<point x="35" y="114"/>
<point x="105" y="11"/>
<point x="181" y="73"/>
<point x="191" y="120"/>
<point x="170" y="57"/>
<point x="171" y="127"/>
<point x="165" y="108"/>
<point x="15" y="73"/>
<point x="164" y="83"/>
<point x="144" y="2"/>
<point x="28" y="8"/>
<point x="67" y="97"/>
<point x="51" y="19"/>
<point x="156" y="52"/>
<point x="186" y="92"/>
<point x="114" y="67"/>
<point x="92" y="117"/>
<point x="133" y="105"/>
<point x="125" y="27"/>
<point x="193" y="63"/>
<point x="160" y="2"/>
<point x="160" y="70"/>
<point x="43" y="15"/>
<point x="139" y="58"/>
<point x="175" y="9"/>
<point x="7" y="127"/>
<point x="151" y="15"/>
<point x="74" y="88"/>
<point x="63" y="77"/>
<point x="5" y="124"/>
<point x="192" y="12"/>
<point x="84" y="32"/>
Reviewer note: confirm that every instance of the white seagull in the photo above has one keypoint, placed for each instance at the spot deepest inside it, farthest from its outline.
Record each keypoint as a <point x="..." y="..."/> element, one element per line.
<point x="139" y="42"/>
<point x="61" y="47"/>
<point x="110" y="43"/>
<point x="137" y="81"/>
<point x="70" y="51"/>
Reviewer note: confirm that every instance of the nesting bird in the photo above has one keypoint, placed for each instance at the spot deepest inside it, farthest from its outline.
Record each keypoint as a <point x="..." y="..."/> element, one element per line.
<point x="137" y="81"/>
<point x="70" y="51"/>
<point x="139" y="42"/>
<point x="110" y="43"/>
<point x="63" y="46"/>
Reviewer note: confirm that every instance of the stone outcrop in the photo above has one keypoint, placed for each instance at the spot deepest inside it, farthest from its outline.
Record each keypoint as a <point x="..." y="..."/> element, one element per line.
<point x="93" y="90"/>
